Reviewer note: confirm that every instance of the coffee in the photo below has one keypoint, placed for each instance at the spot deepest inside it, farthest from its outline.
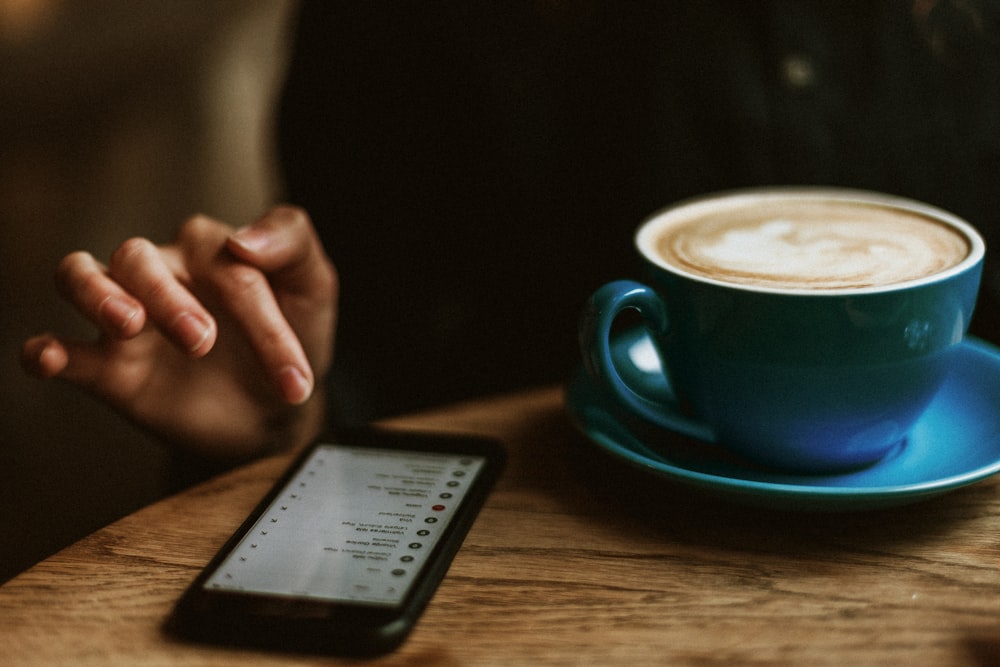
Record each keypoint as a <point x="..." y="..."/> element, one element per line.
<point x="806" y="243"/>
<point x="805" y="329"/>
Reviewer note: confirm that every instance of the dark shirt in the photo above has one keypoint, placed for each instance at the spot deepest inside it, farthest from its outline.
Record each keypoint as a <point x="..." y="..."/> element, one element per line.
<point x="476" y="168"/>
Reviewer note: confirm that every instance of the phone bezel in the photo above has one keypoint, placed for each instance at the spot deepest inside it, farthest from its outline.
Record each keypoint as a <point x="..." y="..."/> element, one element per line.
<point x="316" y="625"/>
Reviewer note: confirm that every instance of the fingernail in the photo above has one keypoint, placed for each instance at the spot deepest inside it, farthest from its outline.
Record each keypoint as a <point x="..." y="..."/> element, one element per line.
<point x="294" y="384"/>
<point x="117" y="313"/>
<point x="192" y="331"/>
<point x="251" y="238"/>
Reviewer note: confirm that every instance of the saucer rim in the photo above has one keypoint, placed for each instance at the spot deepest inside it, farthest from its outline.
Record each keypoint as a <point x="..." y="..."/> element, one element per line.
<point x="775" y="494"/>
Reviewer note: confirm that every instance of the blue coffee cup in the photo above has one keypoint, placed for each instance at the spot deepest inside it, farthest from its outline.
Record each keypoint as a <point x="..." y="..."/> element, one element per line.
<point x="786" y="366"/>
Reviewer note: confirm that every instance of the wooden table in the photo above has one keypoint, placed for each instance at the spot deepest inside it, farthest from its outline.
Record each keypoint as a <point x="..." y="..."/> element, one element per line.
<point x="572" y="561"/>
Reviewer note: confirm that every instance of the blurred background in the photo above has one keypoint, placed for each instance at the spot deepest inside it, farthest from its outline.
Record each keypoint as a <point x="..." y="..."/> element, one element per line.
<point x="117" y="118"/>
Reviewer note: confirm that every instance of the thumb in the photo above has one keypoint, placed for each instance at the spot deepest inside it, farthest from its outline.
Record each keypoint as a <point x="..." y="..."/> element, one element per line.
<point x="284" y="245"/>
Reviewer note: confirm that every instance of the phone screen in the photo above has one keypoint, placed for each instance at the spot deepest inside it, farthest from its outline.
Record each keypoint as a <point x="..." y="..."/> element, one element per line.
<point x="352" y="524"/>
<point x="347" y="548"/>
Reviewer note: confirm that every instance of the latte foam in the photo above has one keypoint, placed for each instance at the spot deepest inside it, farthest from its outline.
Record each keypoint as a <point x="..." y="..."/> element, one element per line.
<point x="810" y="244"/>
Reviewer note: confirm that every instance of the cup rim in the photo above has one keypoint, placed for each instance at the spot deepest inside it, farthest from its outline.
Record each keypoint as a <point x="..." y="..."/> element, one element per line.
<point x="650" y="227"/>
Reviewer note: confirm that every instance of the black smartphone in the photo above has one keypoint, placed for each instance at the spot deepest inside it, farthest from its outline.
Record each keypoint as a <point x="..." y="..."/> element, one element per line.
<point x="344" y="553"/>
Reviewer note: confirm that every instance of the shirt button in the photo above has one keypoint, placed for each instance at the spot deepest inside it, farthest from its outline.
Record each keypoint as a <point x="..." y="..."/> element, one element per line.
<point x="798" y="72"/>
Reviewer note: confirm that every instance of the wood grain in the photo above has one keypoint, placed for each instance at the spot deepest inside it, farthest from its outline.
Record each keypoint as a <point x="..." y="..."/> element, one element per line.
<point x="572" y="561"/>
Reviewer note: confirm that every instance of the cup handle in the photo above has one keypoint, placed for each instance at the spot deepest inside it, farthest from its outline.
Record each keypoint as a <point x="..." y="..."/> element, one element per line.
<point x="600" y="313"/>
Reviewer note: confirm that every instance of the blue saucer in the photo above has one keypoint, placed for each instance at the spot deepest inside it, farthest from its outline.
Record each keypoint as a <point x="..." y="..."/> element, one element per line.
<point x="955" y="443"/>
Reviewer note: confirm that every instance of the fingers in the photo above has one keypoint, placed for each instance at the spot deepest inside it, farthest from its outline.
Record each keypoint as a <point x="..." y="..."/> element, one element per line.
<point x="284" y="245"/>
<point x="248" y="295"/>
<point x="85" y="283"/>
<point x="142" y="269"/>
<point x="248" y="299"/>
<point x="271" y="284"/>
<point x="138" y="281"/>
<point x="44" y="356"/>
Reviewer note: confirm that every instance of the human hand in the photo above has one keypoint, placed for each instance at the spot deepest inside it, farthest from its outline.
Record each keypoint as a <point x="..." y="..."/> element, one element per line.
<point x="217" y="343"/>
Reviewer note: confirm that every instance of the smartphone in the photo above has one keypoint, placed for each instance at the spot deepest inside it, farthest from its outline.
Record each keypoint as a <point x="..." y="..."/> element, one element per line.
<point x="346" y="550"/>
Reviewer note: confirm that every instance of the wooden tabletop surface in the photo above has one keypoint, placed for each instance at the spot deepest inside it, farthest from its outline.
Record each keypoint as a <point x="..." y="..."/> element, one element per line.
<point x="572" y="561"/>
